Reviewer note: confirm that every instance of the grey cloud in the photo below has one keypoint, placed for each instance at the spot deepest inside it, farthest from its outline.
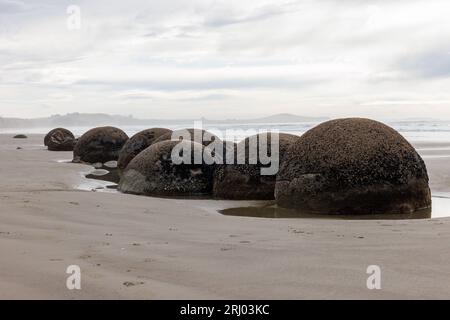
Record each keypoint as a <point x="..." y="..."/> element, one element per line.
<point x="219" y="18"/>
<point x="429" y="64"/>
<point x="208" y="84"/>
<point x="220" y="15"/>
<point x="208" y="97"/>
<point x="139" y="45"/>
<point x="11" y="6"/>
<point x="202" y="97"/>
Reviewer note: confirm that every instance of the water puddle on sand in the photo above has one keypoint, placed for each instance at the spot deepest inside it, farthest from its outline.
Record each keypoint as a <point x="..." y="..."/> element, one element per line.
<point x="105" y="177"/>
<point x="97" y="185"/>
<point x="441" y="209"/>
<point x="64" y="160"/>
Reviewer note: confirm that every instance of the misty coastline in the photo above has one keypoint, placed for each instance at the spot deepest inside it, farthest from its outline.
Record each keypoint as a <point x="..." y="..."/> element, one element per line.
<point x="96" y="119"/>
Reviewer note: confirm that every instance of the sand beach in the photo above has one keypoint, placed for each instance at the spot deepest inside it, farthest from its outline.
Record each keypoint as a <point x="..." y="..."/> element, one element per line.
<point x="137" y="247"/>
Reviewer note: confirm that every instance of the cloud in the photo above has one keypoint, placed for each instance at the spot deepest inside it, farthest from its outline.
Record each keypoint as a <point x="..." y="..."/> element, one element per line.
<point x="430" y="64"/>
<point x="207" y="97"/>
<point x="212" y="57"/>
<point x="11" y="6"/>
<point x="182" y="95"/>
<point x="211" y="84"/>
<point x="224" y="14"/>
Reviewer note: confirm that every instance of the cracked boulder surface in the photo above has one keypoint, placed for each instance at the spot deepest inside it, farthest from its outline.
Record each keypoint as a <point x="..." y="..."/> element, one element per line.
<point x="353" y="166"/>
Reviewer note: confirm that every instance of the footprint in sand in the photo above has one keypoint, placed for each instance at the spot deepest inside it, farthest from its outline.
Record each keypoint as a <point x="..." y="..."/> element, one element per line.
<point x="132" y="284"/>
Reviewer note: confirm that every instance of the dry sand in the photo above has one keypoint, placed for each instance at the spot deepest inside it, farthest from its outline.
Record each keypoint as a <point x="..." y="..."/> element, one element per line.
<point x="131" y="247"/>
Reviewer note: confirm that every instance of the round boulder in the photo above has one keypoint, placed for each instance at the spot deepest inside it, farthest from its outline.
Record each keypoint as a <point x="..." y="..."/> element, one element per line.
<point x="200" y="136"/>
<point x="353" y="166"/>
<point x="155" y="172"/>
<point x="100" y="144"/>
<point x="60" y="139"/>
<point x="137" y="143"/>
<point x="252" y="179"/>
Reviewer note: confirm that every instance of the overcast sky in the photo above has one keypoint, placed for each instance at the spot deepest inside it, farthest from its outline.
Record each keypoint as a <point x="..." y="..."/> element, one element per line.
<point x="225" y="59"/>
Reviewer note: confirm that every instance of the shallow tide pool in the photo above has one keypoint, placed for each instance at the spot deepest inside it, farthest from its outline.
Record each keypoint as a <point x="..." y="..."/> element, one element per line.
<point x="105" y="179"/>
<point x="440" y="209"/>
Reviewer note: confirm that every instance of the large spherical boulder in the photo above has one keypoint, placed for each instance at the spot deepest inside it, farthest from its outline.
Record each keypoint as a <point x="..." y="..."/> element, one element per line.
<point x="137" y="143"/>
<point x="353" y="166"/>
<point x="100" y="144"/>
<point x="200" y="136"/>
<point x="247" y="181"/>
<point x="60" y="139"/>
<point x="63" y="131"/>
<point x="154" y="172"/>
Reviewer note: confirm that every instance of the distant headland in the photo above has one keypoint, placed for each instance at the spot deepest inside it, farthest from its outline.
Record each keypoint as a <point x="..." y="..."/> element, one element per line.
<point x="94" y="119"/>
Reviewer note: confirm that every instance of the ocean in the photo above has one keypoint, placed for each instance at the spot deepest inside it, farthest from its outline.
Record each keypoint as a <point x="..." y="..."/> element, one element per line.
<point x="413" y="131"/>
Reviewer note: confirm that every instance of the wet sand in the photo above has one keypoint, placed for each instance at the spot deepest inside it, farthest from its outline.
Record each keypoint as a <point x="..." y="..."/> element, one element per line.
<point x="131" y="247"/>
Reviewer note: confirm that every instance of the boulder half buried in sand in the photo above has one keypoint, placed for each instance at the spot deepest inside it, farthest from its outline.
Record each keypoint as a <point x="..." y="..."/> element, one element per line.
<point x="353" y="166"/>
<point x="154" y="172"/>
<point x="60" y="139"/>
<point x="100" y="144"/>
<point x="137" y="143"/>
<point x="248" y="181"/>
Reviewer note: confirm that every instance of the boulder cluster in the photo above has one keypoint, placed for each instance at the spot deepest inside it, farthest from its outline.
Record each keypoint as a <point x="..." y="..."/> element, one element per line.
<point x="343" y="166"/>
<point x="152" y="172"/>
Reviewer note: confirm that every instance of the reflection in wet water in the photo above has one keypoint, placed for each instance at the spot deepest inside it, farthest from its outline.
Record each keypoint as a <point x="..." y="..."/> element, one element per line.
<point x="105" y="173"/>
<point x="441" y="208"/>
<point x="109" y="172"/>
<point x="103" y="178"/>
<point x="64" y="160"/>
